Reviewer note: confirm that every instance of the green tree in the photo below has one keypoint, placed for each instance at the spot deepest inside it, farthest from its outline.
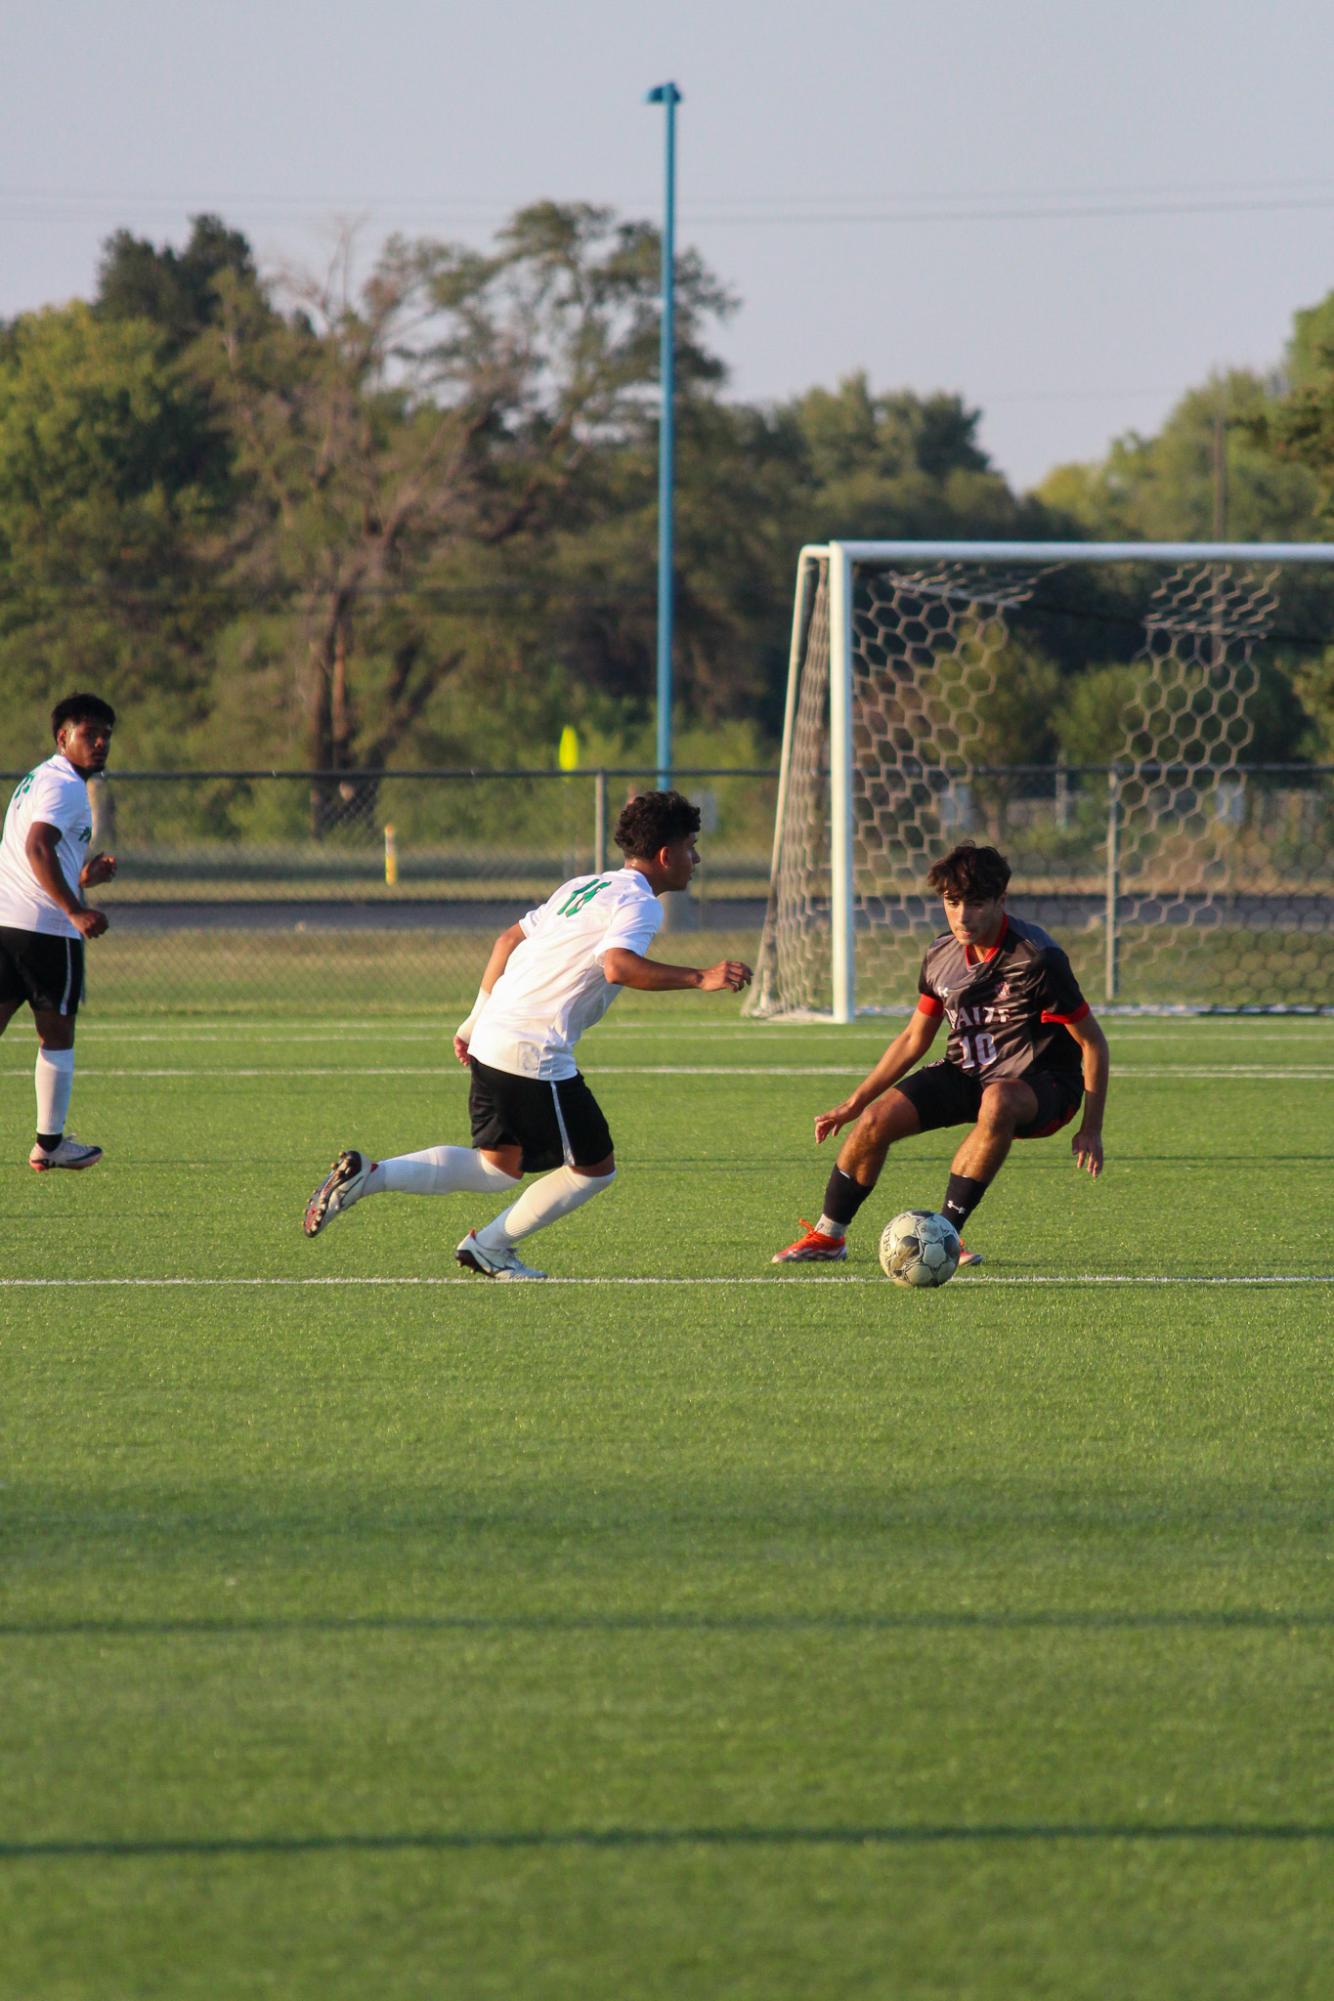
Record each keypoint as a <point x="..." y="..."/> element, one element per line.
<point x="1208" y="475"/>
<point x="1300" y="427"/>
<point x="175" y="291"/>
<point x="101" y="518"/>
<point x="409" y="446"/>
<point x="881" y="467"/>
<point x="1313" y="683"/>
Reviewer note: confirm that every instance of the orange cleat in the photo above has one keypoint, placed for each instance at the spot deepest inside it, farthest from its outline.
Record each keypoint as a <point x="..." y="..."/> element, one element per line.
<point x="815" y="1248"/>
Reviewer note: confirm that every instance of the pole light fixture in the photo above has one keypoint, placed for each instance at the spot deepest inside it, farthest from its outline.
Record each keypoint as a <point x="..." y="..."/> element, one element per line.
<point x="669" y="97"/>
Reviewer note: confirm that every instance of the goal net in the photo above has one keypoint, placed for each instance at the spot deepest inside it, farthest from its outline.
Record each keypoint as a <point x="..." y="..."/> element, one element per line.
<point x="934" y="693"/>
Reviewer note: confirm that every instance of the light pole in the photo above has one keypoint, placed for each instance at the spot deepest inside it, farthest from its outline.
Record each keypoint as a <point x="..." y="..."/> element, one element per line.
<point x="669" y="97"/>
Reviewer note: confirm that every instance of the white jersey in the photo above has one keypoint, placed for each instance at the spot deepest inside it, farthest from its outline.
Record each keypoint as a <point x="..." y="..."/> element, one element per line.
<point x="56" y="794"/>
<point x="553" y="987"/>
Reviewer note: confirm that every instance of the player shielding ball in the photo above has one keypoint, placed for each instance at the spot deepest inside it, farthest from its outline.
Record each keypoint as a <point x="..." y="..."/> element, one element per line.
<point x="44" y="869"/>
<point x="549" y="977"/>
<point x="1023" y="1051"/>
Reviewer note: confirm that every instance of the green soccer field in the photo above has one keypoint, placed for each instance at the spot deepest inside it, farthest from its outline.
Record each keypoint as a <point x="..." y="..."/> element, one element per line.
<point x="690" y="1628"/>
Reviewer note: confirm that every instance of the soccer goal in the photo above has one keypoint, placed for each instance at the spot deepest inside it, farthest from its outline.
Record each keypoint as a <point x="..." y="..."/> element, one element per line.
<point x="934" y="691"/>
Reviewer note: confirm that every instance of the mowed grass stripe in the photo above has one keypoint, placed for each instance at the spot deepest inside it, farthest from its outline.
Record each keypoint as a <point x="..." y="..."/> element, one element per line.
<point x="76" y="1847"/>
<point x="972" y="1278"/>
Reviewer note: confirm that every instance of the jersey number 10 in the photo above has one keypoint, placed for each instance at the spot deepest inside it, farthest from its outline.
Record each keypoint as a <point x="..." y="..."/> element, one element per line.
<point x="979" y="1051"/>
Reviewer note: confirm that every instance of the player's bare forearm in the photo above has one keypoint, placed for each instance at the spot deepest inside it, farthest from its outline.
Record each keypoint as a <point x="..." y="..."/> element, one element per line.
<point x="1087" y="1142"/>
<point x="907" y="1048"/>
<point x="41" y="849"/>
<point x="623" y="968"/>
<point x="501" y="952"/>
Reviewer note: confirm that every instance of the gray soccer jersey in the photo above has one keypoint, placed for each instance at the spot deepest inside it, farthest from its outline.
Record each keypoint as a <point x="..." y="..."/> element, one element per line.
<point x="1008" y="1008"/>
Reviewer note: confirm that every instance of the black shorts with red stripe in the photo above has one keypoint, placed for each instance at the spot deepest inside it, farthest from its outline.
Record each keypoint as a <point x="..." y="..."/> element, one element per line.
<point x="942" y="1094"/>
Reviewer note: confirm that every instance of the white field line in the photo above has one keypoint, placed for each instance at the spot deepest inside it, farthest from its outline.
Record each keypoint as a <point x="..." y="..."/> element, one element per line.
<point x="827" y="1278"/>
<point x="439" y="1029"/>
<point x="1122" y="1072"/>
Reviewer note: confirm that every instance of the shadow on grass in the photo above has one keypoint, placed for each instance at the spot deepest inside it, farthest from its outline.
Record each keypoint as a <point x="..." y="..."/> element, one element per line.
<point x="661" y="1837"/>
<point x="1244" y="1619"/>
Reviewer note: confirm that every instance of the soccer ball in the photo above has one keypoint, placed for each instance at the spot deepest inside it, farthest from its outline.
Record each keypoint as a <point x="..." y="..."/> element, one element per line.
<point x="919" y="1248"/>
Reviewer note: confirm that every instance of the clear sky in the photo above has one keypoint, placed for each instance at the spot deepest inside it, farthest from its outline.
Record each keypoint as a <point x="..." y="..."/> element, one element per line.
<point x="1067" y="213"/>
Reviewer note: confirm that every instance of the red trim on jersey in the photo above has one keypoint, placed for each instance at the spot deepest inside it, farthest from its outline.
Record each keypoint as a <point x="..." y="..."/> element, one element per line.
<point x="973" y="958"/>
<point x="928" y="1004"/>
<point x="1066" y="1019"/>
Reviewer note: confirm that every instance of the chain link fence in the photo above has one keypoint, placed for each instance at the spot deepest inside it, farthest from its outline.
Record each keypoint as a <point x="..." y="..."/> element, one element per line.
<point x="239" y="890"/>
<point x="243" y="891"/>
<point x="1176" y="885"/>
<point x="1169" y="885"/>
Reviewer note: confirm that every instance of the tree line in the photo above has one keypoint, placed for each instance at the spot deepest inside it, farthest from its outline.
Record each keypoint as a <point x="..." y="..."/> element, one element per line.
<point x="408" y="516"/>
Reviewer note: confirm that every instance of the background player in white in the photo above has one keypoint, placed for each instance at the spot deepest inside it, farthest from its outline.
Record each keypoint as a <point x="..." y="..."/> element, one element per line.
<point x="43" y="917"/>
<point x="549" y="977"/>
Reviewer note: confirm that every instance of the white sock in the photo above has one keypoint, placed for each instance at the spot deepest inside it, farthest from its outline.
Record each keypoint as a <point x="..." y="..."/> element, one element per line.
<point x="554" y="1196"/>
<point x="829" y="1228"/>
<point x="54" y="1078"/>
<point x="440" y="1170"/>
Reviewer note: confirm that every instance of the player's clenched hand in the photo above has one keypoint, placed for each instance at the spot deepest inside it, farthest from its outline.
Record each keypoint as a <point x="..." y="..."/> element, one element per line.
<point x="728" y="976"/>
<point x="1087" y="1149"/>
<point x="100" y="868"/>
<point x="89" y="923"/>
<point x="831" y="1122"/>
<point x="461" y="1050"/>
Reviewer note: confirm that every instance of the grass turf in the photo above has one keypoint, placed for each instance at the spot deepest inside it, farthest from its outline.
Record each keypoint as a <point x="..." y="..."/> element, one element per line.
<point x="803" y="1638"/>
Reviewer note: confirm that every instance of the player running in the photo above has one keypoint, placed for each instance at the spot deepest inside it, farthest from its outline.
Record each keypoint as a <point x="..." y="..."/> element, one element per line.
<point x="549" y="977"/>
<point x="1023" y="1050"/>
<point x="43" y="917"/>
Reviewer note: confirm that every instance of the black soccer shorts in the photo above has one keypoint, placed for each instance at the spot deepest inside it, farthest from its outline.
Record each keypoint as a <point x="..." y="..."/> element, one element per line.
<point x="555" y="1123"/>
<point x="44" y="971"/>
<point x="943" y="1094"/>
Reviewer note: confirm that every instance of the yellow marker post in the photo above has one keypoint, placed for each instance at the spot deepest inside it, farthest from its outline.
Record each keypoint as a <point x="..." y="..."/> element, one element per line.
<point x="390" y="857"/>
<point x="567" y="757"/>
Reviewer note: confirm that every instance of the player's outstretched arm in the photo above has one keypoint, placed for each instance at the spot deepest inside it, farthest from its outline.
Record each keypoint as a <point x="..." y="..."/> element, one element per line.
<point x="907" y="1048"/>
<point x="1087" y="1142"/>
<point x="623" y="968"/>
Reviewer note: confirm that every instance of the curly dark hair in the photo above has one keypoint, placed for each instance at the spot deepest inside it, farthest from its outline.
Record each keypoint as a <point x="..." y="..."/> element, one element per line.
<point x="970" y="872"/>
<point x="653" y="821"/>
<point x="81" y="709"/>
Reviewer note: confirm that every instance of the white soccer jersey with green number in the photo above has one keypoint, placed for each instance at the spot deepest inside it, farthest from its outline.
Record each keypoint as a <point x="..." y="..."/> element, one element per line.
<point x="54" y="794"/>
<point x="553" y="987"/>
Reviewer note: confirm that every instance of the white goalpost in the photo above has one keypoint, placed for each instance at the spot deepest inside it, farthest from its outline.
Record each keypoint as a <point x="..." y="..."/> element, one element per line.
<point x="1180" y="868"/>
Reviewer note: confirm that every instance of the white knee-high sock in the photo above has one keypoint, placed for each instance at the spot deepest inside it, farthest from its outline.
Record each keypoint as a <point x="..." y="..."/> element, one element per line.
<point x="54" y="1078"/>
<point x="440" y="1170"/>
<point x="554" y="1196"/>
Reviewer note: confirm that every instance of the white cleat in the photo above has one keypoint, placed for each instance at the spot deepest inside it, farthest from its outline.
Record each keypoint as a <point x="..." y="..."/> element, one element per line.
<point x="344" y="1184"/>
<point x="493" y="1264"/>
<point x="67" y="1152"/>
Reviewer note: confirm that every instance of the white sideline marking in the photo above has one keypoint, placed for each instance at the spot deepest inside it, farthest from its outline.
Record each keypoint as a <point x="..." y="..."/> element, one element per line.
<point x="439" y="1028"/>
<point x="831" y="1278"/>
<point x="1209" y="1072"/>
